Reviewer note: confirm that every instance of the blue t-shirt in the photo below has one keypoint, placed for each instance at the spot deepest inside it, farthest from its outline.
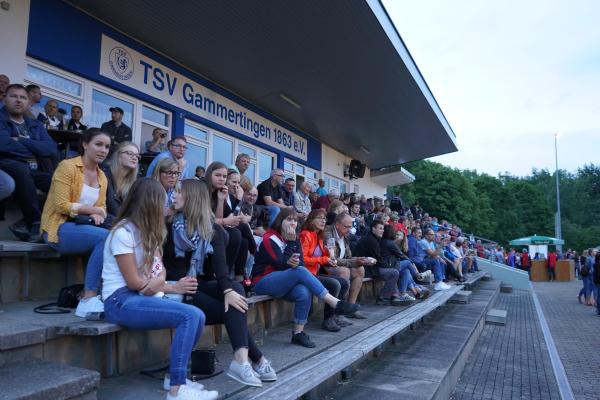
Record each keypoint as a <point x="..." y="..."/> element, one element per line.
<point x="322" y="191"/>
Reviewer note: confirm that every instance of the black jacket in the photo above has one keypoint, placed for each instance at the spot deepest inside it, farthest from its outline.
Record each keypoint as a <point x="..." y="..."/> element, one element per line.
<point x="370" y="246"/>
<point x="113" y="201"/>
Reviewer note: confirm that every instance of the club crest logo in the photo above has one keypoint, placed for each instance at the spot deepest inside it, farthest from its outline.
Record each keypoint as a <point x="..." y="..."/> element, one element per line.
<point x="121" y="63"/>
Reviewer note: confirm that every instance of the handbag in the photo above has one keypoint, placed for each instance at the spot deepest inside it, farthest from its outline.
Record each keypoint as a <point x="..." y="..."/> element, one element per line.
<point x="87" y="220"/>
<point x="204" y="363"/>
<point x="68" y="298"/>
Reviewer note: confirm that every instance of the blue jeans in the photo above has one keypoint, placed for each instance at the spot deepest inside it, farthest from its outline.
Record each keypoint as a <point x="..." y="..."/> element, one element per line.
<point x="296" y="285"/>
<point x="436" y="267"/>
<point x="404" y="267"/>
<point x="132" y="310"/>
<point x="7" y="185"/>
<point x="82" y="239"/>
<point x="273" y="212"/>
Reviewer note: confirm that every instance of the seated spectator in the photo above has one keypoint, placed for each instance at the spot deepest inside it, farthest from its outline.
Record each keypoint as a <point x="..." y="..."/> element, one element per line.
<point x="370" y="246"/>
<point x="176" y="149"/>
<point x="259" y="221"/>
<point x="121" y="171"/>
<point x="157" y="144"/>
<point x="288" y="190"/>
<point x="23" y="142"/>
<point x="133" y="285"/>
<point x="321" y="191"/>
<point x="4" y="82"/>
<point x="35" y="96"/>
<point x="7" y="185"/>
<point x="223" y="204"/>
<point x="75" y="123"/>
<point x="51" y="118"/>
<point x="452" y="253"/>
<point x="116" y="128"/>
<point x="271" y="194"/>
<point x="73" y="221"/>
<point x="348" y="266"/>
<point x="279" y="271"/>
<point x="195" y="247"/>
<point x="316" y="256"/>
<point x="199" y="174"/>
<point x="400" y="250"/>
<point x="167" y="174"/>
<point x="302" y="201"/>
<point x="325" y="201"/>
<point x="335" y="207"/>
<point x="358" y="221"/>
<point x="424" y="254"/>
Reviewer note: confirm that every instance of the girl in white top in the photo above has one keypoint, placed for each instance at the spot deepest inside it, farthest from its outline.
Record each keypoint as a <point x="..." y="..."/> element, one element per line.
<point x="133" y="274"/>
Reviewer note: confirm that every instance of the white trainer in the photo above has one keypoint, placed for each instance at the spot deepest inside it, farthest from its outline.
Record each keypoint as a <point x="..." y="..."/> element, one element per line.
<point x="91" y="305"/>
<point x="192" y="384"/>
<point x="441" y="286"/>
<point x="265" y="372"/>
<point x="243" y="373"/>
<point x="188" y="393"/>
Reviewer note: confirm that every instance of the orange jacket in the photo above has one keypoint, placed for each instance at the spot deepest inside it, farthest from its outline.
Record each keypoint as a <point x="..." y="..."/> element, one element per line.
<point x="309" y="243"/>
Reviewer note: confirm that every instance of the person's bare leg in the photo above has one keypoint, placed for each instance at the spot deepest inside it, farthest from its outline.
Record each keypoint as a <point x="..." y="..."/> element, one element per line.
<point x="241" y="355"/>
<point x="355" y="283"/>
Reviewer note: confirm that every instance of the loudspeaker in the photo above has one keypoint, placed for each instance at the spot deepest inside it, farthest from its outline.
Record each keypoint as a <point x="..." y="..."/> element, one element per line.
<point x="356" y="169"/>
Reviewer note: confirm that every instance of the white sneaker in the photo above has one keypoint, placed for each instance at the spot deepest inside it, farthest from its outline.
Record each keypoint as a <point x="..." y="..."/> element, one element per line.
<point x="188" y="393"/>
<point x="243" y="373"/>
<point x="91" y="305"/>
<point x="441" y="286"/>
<point x="265" y="372"/>
<point x="446" y="286"/>
<point x="192" y="384"/>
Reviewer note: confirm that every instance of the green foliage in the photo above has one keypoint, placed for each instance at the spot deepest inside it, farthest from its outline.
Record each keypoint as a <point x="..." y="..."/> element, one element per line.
<point x="509" y="207"/>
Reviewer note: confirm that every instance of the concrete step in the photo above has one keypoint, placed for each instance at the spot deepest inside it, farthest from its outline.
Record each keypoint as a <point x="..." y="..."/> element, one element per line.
<point x="496" y="317"/>
<point x="506" y="288"/>
<point x="41" y="380"/>
<point x="424" y="363"/>
<point x="461" y="297"/>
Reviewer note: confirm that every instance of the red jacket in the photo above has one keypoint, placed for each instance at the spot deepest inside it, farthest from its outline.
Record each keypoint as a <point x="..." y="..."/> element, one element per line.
<point x="310" y="241"/>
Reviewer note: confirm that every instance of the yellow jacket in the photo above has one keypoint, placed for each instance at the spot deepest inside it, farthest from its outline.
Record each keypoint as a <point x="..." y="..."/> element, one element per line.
<point x="65" y="190"/>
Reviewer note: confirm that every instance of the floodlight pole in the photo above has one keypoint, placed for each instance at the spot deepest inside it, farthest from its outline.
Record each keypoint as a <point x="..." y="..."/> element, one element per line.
<point x="557" y="228"/>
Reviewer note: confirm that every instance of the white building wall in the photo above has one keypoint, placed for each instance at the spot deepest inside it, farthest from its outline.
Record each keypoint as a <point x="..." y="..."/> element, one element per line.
<point x="14" y="25"/>
<point x="333" y="163"/>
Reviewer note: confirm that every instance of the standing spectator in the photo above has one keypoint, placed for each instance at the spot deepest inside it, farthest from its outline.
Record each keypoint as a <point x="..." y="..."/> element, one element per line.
<point x="176" y="149"/>
<point x="157" y="144"/>
<point x="75" y="123"/>
<point x="302" y="201"/>
<point x="23" y="141"/>
<point x="78" y="191"/>
<point x="200" y="171"/>
<point x="4" y="82"/>
<point x="288" y="188"/>
<point x="321" y="191"/>
<point x="134" y="274"/>
<point x="325" y="201"/>
<point x="121" y="171"/>
<point x="116" y="128"/>
<point x="596" y="280"/>
<point x="551" y="266"/>
<point x="279" y="271"/>
<point x="271" y="194"/>
<point x="35" y="96"/>
<point x="51" y="118"/>
<point x="525" y="260"/>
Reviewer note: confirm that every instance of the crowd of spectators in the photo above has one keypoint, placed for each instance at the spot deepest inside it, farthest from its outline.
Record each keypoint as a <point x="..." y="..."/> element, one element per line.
<point x="184" y="250"/>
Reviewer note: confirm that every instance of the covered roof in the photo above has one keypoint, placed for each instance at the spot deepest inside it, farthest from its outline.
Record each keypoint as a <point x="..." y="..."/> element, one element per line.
<point x="337" y="70"/>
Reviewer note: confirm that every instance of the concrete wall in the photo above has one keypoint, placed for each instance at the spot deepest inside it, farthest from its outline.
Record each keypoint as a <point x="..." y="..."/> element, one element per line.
<point x="512" y="276"/>
<point x="333" y="164"/>
<point x="14" y="25"/>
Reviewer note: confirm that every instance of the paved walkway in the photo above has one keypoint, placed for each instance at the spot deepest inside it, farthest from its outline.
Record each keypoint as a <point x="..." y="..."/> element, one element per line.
<point x="576" y="332"/>
<point x="511" y="361"/>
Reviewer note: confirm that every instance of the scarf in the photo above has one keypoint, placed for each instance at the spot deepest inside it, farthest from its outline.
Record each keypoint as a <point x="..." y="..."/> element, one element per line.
<point x="183" y="244"/>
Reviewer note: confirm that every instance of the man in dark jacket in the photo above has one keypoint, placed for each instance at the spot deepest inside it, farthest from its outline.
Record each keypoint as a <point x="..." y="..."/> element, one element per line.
<point x="116" y="128"/>
<point x="23" y="142"/>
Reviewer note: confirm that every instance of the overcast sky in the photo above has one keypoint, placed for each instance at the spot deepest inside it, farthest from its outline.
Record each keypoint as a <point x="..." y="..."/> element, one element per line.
<point x="508" y="75"/>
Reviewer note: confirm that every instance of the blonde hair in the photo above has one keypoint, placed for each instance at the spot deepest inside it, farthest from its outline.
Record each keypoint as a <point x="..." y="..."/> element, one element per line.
<point x="163" y="165"/>
<point x="197" y="208"/>
<point x="143" y="207"/>
<point x="123" y="177"/>
<point x="336" y="206"/>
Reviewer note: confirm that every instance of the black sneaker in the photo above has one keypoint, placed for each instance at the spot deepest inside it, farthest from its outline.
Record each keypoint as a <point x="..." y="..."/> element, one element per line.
<point x="302" y="339"/>
<point x="35" y="234"/>
<point x="20" y="230"/>
<point x="382" y="301"/>
<point x="330" y="325"/>
<point x="344" y="307"/>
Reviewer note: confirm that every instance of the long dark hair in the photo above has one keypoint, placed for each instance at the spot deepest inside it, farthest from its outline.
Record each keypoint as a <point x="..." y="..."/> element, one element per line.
<point x="208" y="174"/>
<point x="389" y="233"/>
<point x="308" y="226"/>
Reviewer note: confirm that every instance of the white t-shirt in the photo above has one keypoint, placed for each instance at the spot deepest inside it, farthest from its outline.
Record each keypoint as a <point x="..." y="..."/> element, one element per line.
<point x="89" y="195"/>
<point x="123" y="240"/>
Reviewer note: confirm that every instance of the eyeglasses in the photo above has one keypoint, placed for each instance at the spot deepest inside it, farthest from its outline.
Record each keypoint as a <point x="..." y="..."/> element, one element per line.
<point x="171" y="173"/>
<point x="180" y="146"/>
<point x="347" y="226"/>
<point x="322" y="219"/>
<point x="132" y="154"/>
